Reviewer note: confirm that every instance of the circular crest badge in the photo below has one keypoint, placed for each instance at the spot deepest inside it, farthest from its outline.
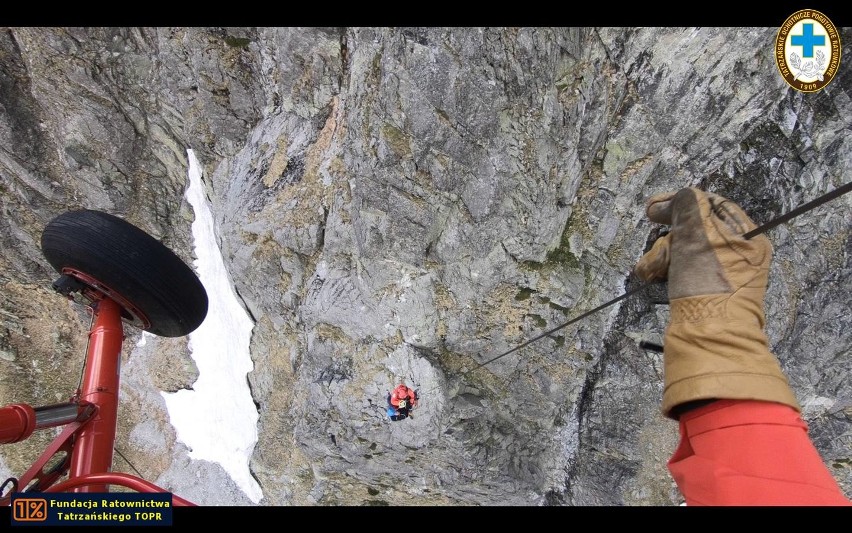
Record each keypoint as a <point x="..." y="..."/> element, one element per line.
<point x="807" y="50"/>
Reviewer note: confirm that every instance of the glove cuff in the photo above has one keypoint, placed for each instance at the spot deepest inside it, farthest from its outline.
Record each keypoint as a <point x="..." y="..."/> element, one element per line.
<point x="715" y="347"/>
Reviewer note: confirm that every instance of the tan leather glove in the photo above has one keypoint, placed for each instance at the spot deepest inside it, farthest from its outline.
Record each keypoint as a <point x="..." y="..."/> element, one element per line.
<point x="715" y="346"/>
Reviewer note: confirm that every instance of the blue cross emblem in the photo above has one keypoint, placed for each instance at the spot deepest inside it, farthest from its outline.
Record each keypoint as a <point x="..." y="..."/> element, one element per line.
<point x="807" y="40"/>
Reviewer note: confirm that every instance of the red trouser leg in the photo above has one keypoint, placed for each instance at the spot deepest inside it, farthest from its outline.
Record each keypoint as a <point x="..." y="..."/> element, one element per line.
<point x="750" y="453"/>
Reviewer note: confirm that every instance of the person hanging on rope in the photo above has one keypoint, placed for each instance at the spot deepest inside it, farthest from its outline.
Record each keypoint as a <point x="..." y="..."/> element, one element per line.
<point x="742" y="438"/>
<point x="400" y="402"/>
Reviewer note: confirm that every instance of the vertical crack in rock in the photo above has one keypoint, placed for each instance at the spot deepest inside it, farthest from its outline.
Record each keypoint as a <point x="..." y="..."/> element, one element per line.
<point x="624" y="441"/>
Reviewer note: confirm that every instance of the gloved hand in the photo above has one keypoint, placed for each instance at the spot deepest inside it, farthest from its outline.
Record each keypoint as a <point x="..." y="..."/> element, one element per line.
<point x="715" y="346"/>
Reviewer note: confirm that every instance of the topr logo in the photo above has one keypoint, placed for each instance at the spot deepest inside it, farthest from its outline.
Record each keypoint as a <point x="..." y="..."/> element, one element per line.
<point x="807" y="50"/>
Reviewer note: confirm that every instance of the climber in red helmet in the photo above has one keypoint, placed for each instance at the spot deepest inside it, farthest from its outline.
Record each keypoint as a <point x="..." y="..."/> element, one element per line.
<point x="401" y="401"/>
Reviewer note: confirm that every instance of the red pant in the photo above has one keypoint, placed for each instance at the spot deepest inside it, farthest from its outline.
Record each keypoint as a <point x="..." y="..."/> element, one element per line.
<point x="750" y="453"/>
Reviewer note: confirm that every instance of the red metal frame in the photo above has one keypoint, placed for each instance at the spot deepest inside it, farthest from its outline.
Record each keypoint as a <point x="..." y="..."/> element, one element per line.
<point x="84" y="449"/>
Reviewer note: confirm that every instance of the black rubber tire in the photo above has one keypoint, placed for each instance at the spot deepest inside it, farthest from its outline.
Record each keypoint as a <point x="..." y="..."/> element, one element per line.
<point x="138" y="267"/>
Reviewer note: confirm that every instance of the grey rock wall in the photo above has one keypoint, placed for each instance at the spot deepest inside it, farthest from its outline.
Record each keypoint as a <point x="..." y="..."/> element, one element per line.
<point x="407" y="204"/>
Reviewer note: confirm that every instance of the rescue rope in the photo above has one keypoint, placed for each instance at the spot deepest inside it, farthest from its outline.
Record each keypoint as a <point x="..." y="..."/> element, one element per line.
<point x="126" y="460"/>
<point x="557" y="328"/>
<point x="757" y="231"/>
<point x="831" y="195"/>
<point x="83" y="368"/>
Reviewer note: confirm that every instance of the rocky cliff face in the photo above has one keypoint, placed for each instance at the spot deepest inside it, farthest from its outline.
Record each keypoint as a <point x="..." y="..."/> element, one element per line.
<point x="406" y="204"/>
